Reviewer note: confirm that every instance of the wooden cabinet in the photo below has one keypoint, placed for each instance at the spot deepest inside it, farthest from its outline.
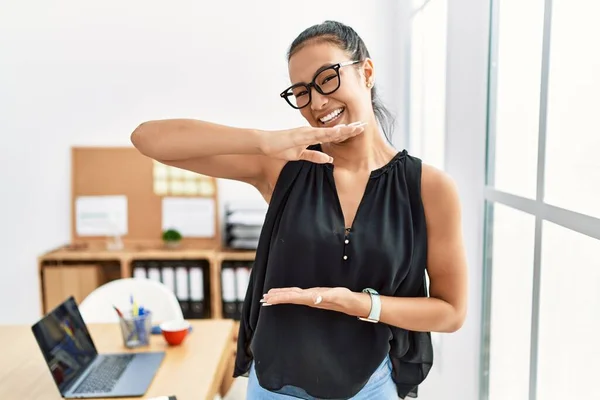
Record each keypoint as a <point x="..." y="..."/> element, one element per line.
<point x="61" y="282"/>
<point x="77" y="271"/>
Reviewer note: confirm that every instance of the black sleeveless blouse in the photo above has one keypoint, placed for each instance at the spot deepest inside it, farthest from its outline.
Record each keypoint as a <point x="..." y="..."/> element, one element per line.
<point x="304" y="243"/>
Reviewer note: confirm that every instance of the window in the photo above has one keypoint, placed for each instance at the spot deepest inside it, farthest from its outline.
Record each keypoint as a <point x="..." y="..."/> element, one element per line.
<point x="427" y="115"/>
<point x="518" y="77"/>
<point x="573" y="128"/>
<point x="569" y="317"/>
<point x="512" y="267"/>
<point x="541" y="267"/>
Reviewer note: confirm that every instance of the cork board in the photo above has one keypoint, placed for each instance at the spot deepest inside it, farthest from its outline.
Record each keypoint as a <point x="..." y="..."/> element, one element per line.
<point x="114" y="171"/>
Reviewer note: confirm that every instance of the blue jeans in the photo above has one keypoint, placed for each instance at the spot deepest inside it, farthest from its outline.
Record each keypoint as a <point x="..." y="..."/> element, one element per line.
<point x="380" y="386"/>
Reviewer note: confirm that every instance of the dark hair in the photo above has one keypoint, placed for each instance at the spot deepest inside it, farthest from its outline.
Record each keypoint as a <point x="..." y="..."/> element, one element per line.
<point x="346" y="39"/>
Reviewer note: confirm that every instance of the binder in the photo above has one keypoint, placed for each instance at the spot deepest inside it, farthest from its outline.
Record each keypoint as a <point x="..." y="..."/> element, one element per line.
<point x="168" y="276"/>
<point x="197" y="306"/>
<point x="228" y="288"/>
<point x="139" y="270"/>
<point x="182" y="290"/>
<point x="242" y="276"/>
<point x="154" y="271"/>
<point x="187" y="279"/>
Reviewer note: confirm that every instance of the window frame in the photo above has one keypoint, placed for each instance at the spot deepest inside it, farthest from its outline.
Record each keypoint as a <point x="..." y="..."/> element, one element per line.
<point x="542" y="211"/>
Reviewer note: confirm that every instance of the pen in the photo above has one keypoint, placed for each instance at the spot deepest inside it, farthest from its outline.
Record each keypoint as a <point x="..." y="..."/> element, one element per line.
<point x="134" y="307"/>
<point x="119" y="313"/>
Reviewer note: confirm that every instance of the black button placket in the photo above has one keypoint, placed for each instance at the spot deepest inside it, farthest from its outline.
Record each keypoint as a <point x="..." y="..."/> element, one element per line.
<point x="346" y="243"/>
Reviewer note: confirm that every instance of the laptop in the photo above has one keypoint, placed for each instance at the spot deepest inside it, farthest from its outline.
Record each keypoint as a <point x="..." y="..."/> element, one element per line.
<point x="77" y="368"/>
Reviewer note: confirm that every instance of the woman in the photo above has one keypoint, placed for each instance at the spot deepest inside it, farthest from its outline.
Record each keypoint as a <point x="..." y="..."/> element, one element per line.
<point x="352" y="227"/>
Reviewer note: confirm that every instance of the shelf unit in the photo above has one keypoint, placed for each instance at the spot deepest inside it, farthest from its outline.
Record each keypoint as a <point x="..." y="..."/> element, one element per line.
<point x="93" y="266"/>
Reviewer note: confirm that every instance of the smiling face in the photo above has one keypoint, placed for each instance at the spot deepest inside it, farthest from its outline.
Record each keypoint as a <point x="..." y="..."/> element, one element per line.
<point x="351" y="102"/>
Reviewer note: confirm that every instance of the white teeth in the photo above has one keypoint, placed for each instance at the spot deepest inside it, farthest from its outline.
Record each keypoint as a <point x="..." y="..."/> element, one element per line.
<point x="331" y="115"/>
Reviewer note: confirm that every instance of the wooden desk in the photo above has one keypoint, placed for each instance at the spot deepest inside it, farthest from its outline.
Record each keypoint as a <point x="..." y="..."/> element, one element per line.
<point x="193" y="370"/>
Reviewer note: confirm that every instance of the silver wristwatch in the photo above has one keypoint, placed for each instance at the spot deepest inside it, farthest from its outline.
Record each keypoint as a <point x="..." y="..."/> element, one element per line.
<point x="375" y="306"/>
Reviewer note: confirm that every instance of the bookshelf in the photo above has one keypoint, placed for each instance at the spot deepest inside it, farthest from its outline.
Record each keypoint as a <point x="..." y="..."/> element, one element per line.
<point x="78" y="270"/>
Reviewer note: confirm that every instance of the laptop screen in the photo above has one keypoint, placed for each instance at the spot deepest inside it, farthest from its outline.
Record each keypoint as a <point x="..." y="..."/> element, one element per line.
<point x="65" y="343"/>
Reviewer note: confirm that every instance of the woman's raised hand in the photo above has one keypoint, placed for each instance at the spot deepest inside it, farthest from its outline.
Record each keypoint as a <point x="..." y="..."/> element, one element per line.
<point x="291" y="144"/>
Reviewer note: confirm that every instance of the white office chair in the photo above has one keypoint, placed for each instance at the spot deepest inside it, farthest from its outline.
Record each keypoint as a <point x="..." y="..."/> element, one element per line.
<point x="97" y="307"/>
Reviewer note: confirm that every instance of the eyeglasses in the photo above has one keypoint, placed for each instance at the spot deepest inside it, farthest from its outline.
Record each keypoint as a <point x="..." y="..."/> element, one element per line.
<point x="325" y="81"/>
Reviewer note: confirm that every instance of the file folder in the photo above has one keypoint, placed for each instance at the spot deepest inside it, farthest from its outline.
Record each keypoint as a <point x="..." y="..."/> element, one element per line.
<point x="139" y="270"/>
<point x="228" y="287"/>
<point x="154" y="271"/>
<point x="242" y="276"/>
<point x="168" y="276"/>
<point x="187" y="279"/>
<point x="197" y="306"/>
<point x="182" y="290"/>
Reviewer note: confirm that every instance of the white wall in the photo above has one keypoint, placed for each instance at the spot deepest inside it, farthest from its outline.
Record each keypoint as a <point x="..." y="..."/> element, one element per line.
<point x="86" y="73"/>
<point x="75" y="73"/>
<point x="456" y="369"/>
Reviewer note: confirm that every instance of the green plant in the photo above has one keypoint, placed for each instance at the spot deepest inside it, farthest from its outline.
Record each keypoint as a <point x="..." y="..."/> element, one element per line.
<point x="171" y="235"/>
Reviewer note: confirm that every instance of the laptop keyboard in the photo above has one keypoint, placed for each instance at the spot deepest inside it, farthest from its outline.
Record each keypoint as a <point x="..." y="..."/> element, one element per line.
<point x="105" y="375"/>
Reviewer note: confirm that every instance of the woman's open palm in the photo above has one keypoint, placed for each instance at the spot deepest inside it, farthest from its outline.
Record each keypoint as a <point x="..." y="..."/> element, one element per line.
<point x="291" y="144"/>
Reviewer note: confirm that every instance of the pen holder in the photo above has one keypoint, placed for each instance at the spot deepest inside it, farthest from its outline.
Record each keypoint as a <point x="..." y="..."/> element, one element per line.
<point x="136" y="330"/>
